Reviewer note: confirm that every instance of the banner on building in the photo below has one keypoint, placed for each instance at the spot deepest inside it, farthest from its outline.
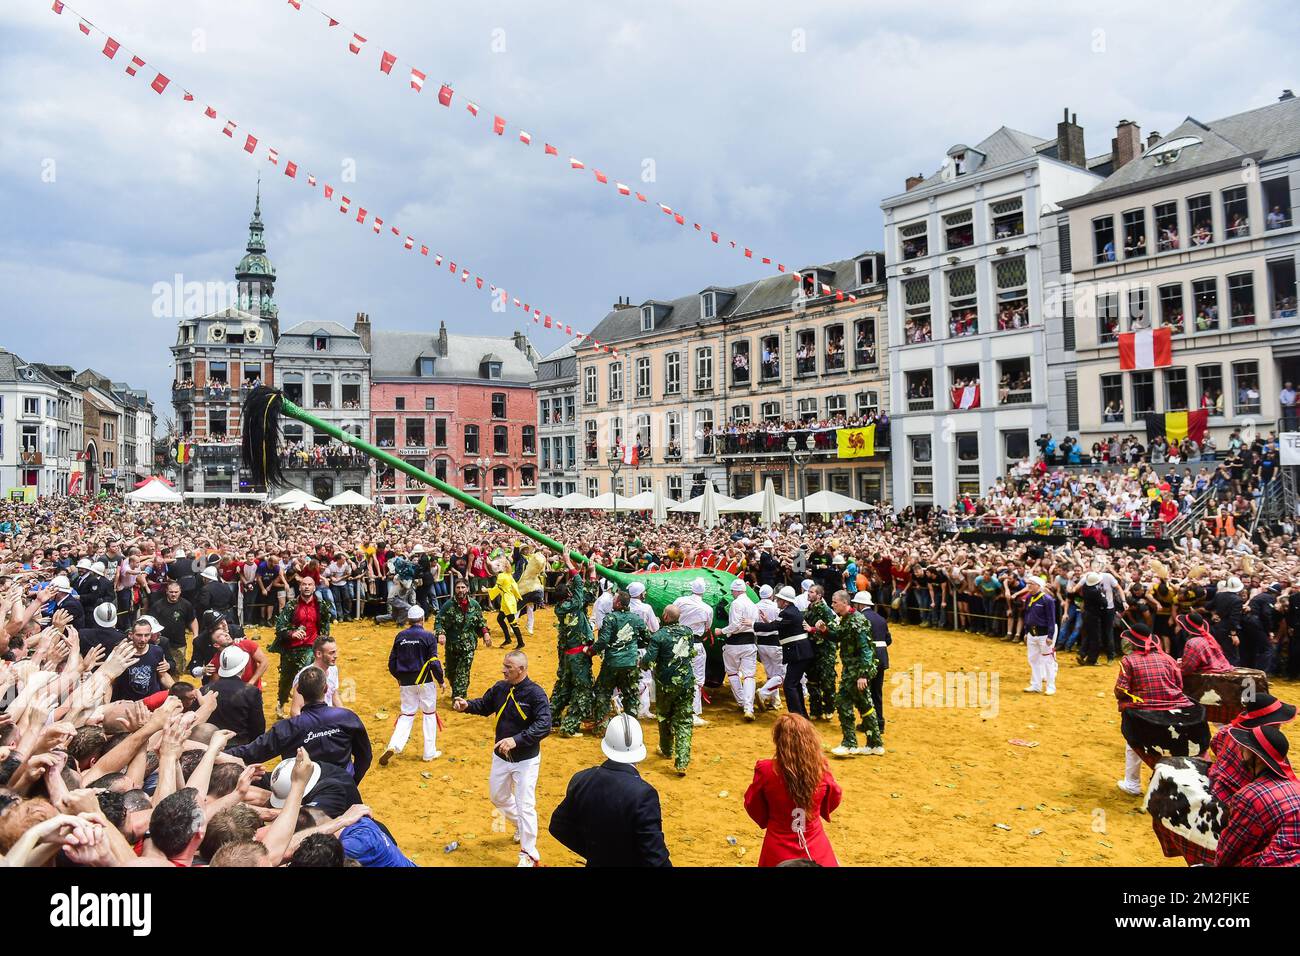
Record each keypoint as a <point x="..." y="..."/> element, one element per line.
<point x="856" y="442"/>
<point x="1289" y="443"/>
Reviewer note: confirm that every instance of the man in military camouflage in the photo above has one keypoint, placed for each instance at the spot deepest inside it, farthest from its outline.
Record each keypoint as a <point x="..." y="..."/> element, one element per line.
<point x="821" y="675"/>
<point x="571" y="699"/>
<point x="460" y="625"/>
<point x="303" y="619"/>
<point x="852" y="632"/>
<point x="622" y="636"/>
<point x="668" y="657"/>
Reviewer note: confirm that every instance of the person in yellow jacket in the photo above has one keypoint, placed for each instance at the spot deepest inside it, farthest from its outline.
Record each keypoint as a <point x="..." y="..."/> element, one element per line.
<point x="504" y="595"/>
<point x="532" y="583"/>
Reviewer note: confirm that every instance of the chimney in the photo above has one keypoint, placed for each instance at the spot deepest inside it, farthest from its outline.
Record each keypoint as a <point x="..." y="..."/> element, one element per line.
<point x="1152" y="139"/>
<point x="1286" y="95"/>
<point x="1127" y="144"/>
<point x="623" y="303"/>
<point x="442" y="339"/>
<point x="1069" y="140"/>
<point x="362" y="327"/>
<point x="521" y="342"/>
<point x="912" y="182"/>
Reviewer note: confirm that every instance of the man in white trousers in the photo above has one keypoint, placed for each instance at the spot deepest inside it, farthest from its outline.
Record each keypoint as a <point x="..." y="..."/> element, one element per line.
<point x="646" y="688"/>
<point x="1040" y="636"/>
<point x="698" y="616"/>
<point x="522" y="715"/>
<point x="603" y="604"/>
<point x="769" y="650"/>
<point x="740" y="656"/>
<point x="414" y="664"/>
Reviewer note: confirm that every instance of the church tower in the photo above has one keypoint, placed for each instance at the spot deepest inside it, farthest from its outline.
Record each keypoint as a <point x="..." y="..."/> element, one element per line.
<point x="255" y="274"/>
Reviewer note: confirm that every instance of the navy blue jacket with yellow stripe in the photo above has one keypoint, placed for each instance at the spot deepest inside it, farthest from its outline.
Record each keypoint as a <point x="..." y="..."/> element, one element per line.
<point x="522" y="711"/>
<point x="413" y="649"/>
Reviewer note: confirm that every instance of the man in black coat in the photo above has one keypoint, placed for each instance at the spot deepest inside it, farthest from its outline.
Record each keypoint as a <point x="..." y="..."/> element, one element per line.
<point x="609" y="815"/>
<point x="1227" y="609"/>
<point x="239" y="705"/>
<point x="879" y="634"/>
<point x="63" y="598"/>
<point x="797" y="651"/>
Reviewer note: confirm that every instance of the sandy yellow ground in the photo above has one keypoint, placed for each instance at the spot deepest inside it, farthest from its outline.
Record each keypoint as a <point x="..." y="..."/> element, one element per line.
<point x="951" y="789"/>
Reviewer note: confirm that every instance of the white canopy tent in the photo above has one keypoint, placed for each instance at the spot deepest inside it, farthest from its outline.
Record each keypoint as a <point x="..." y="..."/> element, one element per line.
<point x="154" y="492"/>
<point x="754" y="503"/>
<point x="659" y="508"/>
<point x="537" y="502"/>
<point x="693" y="506"/>
<point x="709" y="507"/>
<point x="294" y="496"/>
<point x="830" y="502"/>
<point x="607" y="502"/>
<point x="349" y="499"/>
<point x="306" y="506"/>
<point x="574" y="501"/>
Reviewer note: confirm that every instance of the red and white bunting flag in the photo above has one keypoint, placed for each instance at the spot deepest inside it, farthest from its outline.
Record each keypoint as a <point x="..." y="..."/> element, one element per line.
<point x="424" y="250"/>
<point x="58" y="6"/>
<point x="273" y="156"/>
<point x="679" y="218"/>
<point x="780" y="267"/>
<point x="361" y="215"/>
<point x="464" y="275"/>
<point x="110" y="48"/>
<point x="311" y="180"/>
<point x="1150" y="348"/>
<point x="537" y="316"/>
<point x="600" y="177"/>
<point x="230" y="128"/>
<point x="84" y="27"/>
<point x="356" y="42"/>
<point x="525" y="138"/>
<point x="826" y="290"/>
<point x="189" y="97"/>
<point x="478" y="281"/>
<point x="386" y="62"/>
<point x="209" y="112"/>
<point x="547" y="322"/>
<point x="568" y="330"/>
<point x="344" y="202"/>
<point x="159" y="83"/>
<point x="437" y="260"/>
<point x="250" y="143"/>
<point x="697" y="227"/>
<point x="333" y="22"/>
<point x="641" y="197"/>
<point x="396" y="231"/>
<point x="631" y="454"/>
<point x="498" y="125"/>
<point x="329" y="191"/>
<point x="839" y="296"/>
<point x="296" y="4"/>
<point x="622" y="190"/>
<point x="290" y="168"/>
<point x="767" y="261"/>
<point x="576" y="163"/>
<point x="749" y="254"/>
<point x="134" y="65"/>
<point x="966" y="397"/>
<point x="444" y="95"/>
<point x="409" y="243"/>
<point x="378" y="222"/>
<point x="551" y="150"/>
<point x="516" y="303"/>
<point x="417" y="80"/>
<point x="713" y="236"/>
<point x="451" y="267"/>
<point x="666" y="209"/>
<point x="733" y="243"/>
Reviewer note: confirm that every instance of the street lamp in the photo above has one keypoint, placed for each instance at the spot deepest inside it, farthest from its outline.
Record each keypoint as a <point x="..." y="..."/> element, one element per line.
<point x="615" y="464"/>
<point x="801" y="459"/>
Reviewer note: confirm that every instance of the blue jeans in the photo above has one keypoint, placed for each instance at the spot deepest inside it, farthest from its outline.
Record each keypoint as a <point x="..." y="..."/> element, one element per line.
<point x="922" y="605"/>
<point x="327" y="595"/>
<point x="1071" y="629"/>
<point x="936" y="618"/>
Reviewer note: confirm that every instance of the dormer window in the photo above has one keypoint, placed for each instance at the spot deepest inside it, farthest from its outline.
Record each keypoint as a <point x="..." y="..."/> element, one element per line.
<point x="808" y="284"/>
<point x="708" y="305"/>
<point x="494" y="369"/>
<point x="959" y="163"/>
<point x="867" y="270"/>
<point x="321" y="343"/>
<point x="426" y="368"/>
<point x="647" y="318"/>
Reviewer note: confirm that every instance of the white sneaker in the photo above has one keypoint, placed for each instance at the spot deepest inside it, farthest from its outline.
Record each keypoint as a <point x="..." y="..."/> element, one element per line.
<point x="435" y="756"/>
<point x="1031" y="690"/>
<point x="526" y="860"/>
<point x="1129" y="788"/>
<point x="749" y="716"/>
<point x="877" y="751"/>
<point x="517" y="838"/>
<point x="861" y="751"/>
<point x="699" y="722"/>
<point x="1050" y="691"/>
<point x="843" y="751"/>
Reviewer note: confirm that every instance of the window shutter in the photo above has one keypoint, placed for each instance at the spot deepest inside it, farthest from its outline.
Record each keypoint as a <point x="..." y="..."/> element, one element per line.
<point x="1071" y="403"/>
<point x="1063" y="235"/>
<point x="1067" y="322"/>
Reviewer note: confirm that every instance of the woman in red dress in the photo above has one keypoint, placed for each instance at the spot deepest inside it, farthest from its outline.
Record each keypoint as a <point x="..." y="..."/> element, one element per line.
<point x="792" y="793"/>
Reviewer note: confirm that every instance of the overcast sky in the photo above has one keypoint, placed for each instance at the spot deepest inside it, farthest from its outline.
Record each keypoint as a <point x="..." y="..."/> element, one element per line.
<point x="781" y="125"/>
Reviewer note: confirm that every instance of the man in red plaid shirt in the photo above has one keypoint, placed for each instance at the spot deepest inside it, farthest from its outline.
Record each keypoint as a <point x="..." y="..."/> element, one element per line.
<point x="1263" y="827"/>
<point x="1149" y="680"/>
<point x="1201" y="653"/>
<point x="1228" y="772"/>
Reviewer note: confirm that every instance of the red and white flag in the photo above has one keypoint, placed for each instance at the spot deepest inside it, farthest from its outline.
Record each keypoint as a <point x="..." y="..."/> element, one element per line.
<point x="409" y="243"/>
<point x="84" y="27"/>
<point x="273" y="156"/>
<point x="641" y="197"/>
<point x="329" y="191"/>
<point x="437" y="260"/>
<point x="417" y="80"/>
<point x="290" y="168"/>
<point x="464" y="275"/>
<point x="189" y="97"/>
<point x="386" y="61"/>
<point x="159" y="83"/>
<point x="478" y="281"/>
<point x="424" y="250"/>
<point x="622" y="189"/>
<point x="344" y="202"/>
<point x="551" y="150"/>
<point x="134" y="65"/>
<point x="631" y="454"/>
<point x="667" y="210"/>
<point x="1150" y="348"/>
<point x="498" y="125"/>
<point x="525" y="138"/>
<point x="378" y="222"/>
<point x="396" y="231"/>
<point x="209" y="112"/>
<point x="58" y="6"/>
<point x="472" y="107"/>
<point x="296" y="4"/>
<point x="356" y="42"/>
<point x="679" y="218"/>
<point x="576" y="163"/>
<point x="713" y="236"/>
<point x="444" y="95"/>
<point x="966" y="397"/>
<point x="110" y="48"/>
<point x="547" y="322"/>
<point x="230" y="128"/>
<point x="311" y="180"/>
<point x="250" y="143"/>
<point x="600" y="177"/>
<point x="361" y="215"/>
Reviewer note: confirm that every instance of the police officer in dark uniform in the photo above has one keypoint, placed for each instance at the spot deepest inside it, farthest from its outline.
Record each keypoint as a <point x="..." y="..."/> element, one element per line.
<point x="880" y="634"/>
<point x="797" y="651"/>
<point x="1227" y="609"/>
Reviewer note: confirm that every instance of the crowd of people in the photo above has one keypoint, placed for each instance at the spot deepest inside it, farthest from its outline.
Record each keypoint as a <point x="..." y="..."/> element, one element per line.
<point x="134" y="732"/>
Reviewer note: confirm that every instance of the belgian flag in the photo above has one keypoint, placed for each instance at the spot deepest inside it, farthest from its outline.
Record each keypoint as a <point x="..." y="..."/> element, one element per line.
<point x="1178" y="426"/>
